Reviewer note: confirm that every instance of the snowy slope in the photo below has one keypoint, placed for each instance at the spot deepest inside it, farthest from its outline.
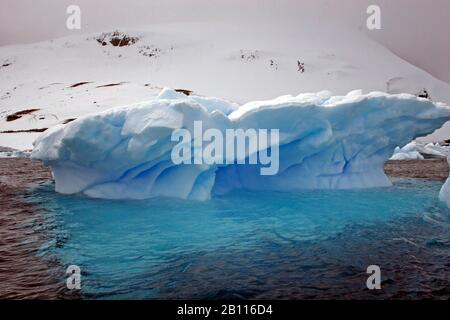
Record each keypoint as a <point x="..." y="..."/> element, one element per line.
<point x="237" y="62"/>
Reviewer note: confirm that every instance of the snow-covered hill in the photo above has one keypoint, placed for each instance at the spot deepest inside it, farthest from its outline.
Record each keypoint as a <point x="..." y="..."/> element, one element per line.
<point x="53" y="82"/>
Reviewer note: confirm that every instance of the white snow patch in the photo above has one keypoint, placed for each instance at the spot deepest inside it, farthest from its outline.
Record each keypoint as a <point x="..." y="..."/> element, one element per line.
<point x="419" y="151"/>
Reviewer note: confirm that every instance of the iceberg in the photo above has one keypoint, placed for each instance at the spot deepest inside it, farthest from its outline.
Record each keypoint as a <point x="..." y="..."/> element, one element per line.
<point x="420" y="151"/>
<point x="444" y="193"/>
<point x="325" y="142"/>
<point x="399" y="154"/>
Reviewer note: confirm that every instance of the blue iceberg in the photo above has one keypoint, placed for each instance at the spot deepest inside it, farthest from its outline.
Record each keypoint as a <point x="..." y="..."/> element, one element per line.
<point x="325" y="142"/>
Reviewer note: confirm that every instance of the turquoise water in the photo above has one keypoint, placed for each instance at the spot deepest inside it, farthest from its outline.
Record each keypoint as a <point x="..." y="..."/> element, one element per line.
<point x="307" y="244"/>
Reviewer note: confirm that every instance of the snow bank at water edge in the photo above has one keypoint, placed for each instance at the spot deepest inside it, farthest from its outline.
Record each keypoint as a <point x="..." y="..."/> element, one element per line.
<point x="420" y="151"/>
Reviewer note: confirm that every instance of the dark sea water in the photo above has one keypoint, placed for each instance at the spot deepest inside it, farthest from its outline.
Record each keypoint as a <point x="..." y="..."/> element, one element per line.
<point x="304" y="245"/>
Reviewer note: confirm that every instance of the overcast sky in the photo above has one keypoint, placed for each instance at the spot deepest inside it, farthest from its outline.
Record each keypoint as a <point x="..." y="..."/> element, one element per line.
<point x="417" y="30"/>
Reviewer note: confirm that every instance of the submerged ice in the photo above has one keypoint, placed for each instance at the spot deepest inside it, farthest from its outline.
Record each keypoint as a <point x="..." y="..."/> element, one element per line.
<point x="330" y="142"/>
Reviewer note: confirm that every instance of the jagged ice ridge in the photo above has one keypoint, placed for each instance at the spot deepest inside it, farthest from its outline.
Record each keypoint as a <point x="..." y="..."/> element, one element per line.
<point x="325" y="141"/>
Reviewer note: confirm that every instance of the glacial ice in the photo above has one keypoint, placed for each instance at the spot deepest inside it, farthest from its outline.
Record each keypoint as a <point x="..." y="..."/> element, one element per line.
<point x="399" y="154"/>
<point x="419" y="151"/>
<point x="444" y="193"/>
<point x="325" y="142"/>
<point x="14" y="154"/>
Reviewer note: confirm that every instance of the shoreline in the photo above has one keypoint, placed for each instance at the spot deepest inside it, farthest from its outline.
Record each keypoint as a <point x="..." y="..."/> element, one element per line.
<point x="431" y="169"/>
